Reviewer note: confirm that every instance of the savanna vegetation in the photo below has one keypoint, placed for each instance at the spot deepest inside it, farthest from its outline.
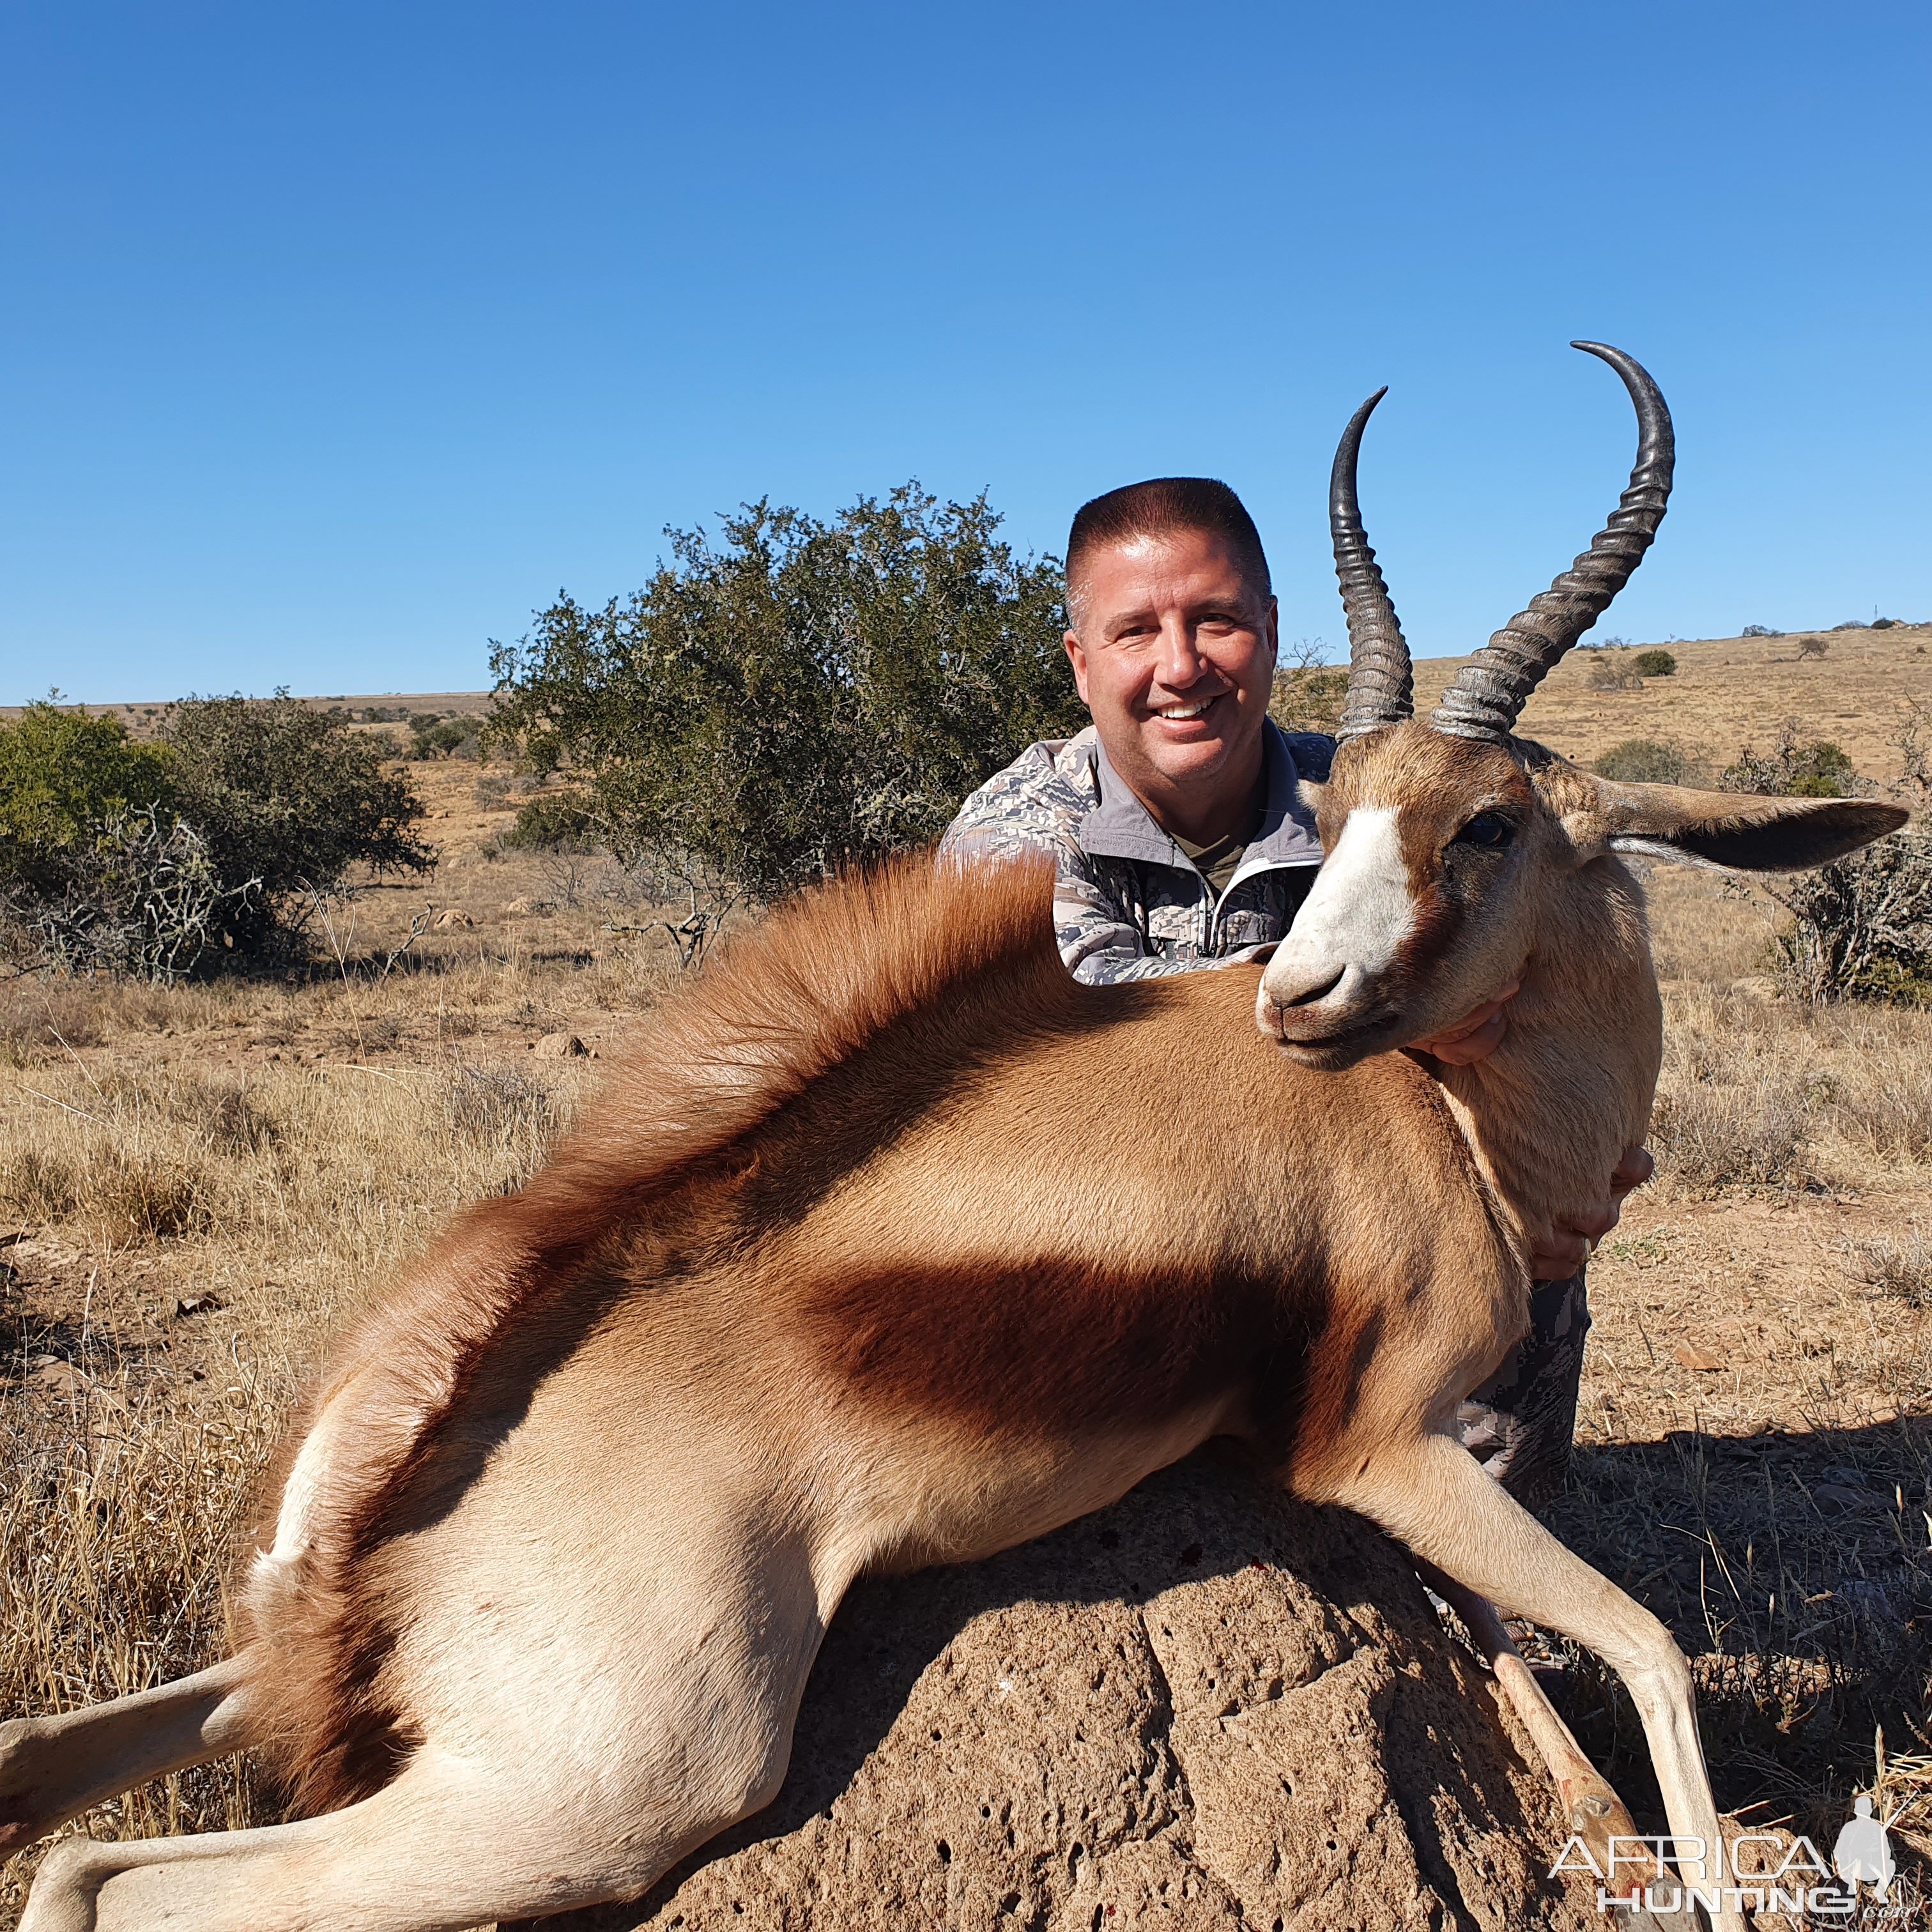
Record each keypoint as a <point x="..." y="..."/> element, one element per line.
<point x="793" y="697"/>
<point x="209" y="844"/>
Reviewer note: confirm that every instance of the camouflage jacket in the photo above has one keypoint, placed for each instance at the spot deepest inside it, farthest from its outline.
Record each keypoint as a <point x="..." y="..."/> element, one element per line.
<point x="1128" y="903"/>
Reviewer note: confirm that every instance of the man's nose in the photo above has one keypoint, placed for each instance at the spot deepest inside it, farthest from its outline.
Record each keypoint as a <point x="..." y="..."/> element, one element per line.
<point x="1181" y="662"/>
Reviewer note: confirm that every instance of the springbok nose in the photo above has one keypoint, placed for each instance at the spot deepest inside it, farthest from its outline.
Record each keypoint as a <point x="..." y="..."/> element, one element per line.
<point x="1304" y="988"/>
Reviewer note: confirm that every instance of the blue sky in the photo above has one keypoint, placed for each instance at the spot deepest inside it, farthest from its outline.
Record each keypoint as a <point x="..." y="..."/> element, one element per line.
<point x="335" y="340"/>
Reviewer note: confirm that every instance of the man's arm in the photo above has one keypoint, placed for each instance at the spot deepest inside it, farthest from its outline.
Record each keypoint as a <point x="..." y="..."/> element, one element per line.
<point x="1033" y="806"/>
<point x="1099" y="947"/>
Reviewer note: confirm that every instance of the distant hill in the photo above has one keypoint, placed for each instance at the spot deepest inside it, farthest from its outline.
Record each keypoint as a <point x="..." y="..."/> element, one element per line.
<point x="389" y="707"/>
<point x="1727" y="692"/>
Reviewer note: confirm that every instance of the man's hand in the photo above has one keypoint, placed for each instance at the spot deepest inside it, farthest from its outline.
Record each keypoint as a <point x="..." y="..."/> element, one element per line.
<point x="1565" y="1248"/>
<point x="1476" y="1036"/>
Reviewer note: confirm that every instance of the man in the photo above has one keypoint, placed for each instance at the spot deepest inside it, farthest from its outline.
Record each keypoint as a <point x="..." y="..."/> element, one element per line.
<point x="1183" y="843"/>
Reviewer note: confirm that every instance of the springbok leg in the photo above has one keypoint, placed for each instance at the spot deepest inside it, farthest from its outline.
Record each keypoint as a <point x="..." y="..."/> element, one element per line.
<point x="53" y="1768"/>
<point x="1591" y="1806"/>
<point x="1433" y="1496"/>
<point x="454" y="1841"/>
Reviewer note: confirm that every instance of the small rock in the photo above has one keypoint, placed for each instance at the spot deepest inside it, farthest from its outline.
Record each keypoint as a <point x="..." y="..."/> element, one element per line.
<point x="1840" y="1497"/>
<point x="197" y="1304"/>
<point x="530" y="909"/>
<point x="445" y="920"/>
<point x="1688" y="1357"/>
<point x="561" y="1046"/>
<point x="53" y="1376"/>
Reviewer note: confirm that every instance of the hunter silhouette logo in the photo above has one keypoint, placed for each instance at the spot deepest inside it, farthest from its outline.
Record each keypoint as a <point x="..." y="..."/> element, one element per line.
<point x="1862" y="1851"/>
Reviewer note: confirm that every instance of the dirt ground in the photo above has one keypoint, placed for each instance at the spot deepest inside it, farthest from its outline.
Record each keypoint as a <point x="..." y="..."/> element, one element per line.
<point x="195" y="1183"/>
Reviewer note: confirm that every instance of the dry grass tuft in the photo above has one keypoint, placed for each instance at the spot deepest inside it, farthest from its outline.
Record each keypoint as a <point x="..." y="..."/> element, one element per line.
<point x="1757" y="1093"/>
<point x="1900" y="1265"/>
<point x="116" y="1502"/>
<point x="1708" y="1137"/>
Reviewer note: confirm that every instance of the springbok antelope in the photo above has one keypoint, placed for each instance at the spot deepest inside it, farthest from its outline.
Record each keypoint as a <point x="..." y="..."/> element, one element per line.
<point x="545" y="1565"/>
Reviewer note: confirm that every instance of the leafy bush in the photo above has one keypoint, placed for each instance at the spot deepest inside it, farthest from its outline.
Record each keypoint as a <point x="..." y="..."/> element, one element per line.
<point x="1793" y="768"/>
<point x="286" y="796"/>
<point x="1308" y="695"/>
<point x="801" y="694"/>
<point x="1647" y="761"/>
<point x="1885" y="623"/>
<point x="551" y="819"/>
<point x="1655" y="663"/>
<point x="1861" y="926"/>
<point x="1812" y="647"/>
<point x="452" y="737"/>
<point x="1759" y="631"/>
<point x="63" y="775"/>
<point x="153" y="860"/>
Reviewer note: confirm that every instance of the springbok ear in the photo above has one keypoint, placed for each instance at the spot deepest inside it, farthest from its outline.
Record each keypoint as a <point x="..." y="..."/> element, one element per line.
<point x="1739" y="831"/>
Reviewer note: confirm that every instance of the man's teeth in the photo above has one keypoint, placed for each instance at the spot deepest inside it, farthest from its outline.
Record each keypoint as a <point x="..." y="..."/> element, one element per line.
<point x="1196" y="710"/>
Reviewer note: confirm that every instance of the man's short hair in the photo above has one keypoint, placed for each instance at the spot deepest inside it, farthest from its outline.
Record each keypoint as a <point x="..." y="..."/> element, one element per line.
<point x="1160" y="507"/>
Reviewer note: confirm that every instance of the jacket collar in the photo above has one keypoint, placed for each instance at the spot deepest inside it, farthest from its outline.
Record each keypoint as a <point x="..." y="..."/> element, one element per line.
<point x="1120" y="827"/>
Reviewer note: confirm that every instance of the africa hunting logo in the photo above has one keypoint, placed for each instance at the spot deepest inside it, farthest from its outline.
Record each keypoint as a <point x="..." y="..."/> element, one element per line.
<point x="1767" y="1874"/>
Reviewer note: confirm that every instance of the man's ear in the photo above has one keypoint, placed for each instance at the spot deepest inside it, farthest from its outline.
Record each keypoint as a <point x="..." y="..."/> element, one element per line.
<point x="1077" y="658"/>
<point x="1737" y="830"/>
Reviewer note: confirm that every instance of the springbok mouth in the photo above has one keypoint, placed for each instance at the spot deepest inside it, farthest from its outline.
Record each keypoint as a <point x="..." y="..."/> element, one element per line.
<point x="1341" y="1039"/>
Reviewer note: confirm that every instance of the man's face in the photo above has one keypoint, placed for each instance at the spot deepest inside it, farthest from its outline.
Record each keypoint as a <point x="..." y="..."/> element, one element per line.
<point x="1174" y="656"/>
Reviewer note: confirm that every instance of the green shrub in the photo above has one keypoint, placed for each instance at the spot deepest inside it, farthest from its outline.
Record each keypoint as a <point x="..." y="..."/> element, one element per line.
<point x="800" y="695"/>
<point x="432" y="737"/>
<point x="1793" y="768"/>
<point x="1309" y="697"/>
<point x="63" y="774"/>
<point x="1647" y="761"/>
<point x="1655" y="663"/>
<point x="551" y="819"/>
<point x="294" y="798"/>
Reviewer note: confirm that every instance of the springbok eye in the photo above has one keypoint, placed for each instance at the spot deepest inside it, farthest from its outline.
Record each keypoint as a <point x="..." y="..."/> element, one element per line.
<point x="1488" y="830"/>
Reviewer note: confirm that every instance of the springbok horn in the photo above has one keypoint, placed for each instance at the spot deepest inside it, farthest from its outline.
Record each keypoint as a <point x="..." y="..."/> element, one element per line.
<point x="1489" y="692"/>
<point x="1381" y="690"/>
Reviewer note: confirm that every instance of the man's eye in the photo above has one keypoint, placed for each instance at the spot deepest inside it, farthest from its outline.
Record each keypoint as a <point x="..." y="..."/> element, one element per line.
<point x="1487" y="829"/>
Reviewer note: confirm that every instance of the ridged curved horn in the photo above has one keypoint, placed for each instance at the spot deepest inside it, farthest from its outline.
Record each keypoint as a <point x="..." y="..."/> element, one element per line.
<point x="1381" y="689"/>
<point x="1489" y="692"/>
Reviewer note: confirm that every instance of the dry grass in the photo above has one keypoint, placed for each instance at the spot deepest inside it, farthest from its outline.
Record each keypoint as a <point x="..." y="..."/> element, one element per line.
<point x="194" y="1185"/>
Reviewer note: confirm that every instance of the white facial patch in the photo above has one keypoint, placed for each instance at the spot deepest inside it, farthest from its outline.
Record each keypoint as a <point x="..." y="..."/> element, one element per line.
<point x="1359" y="911"/>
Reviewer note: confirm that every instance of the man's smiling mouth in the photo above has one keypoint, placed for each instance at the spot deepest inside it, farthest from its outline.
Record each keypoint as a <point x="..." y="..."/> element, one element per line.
<point x="1195" y="708"/>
